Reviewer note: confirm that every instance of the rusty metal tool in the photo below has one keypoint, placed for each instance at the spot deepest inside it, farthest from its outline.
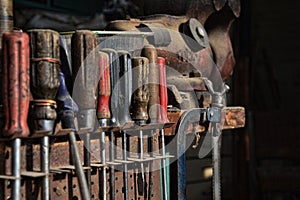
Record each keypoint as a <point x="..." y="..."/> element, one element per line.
<point x="150" y="52"/>
<point x="103" y="111"/>
<point x="214" y="115"/>
<point x="16" y="98"/>
<point x="139" y="106"/>
<point x="125" y="77"/>
<point x="163" y="98"/>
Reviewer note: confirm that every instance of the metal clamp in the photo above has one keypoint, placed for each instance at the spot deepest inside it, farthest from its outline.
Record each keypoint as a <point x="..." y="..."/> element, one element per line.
<point x="214" y="114"/>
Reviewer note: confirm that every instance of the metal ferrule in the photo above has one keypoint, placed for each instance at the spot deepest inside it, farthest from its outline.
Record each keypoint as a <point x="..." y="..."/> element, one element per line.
<point x="42" y="115"/>
<point x="104" y="122"/>
<point x="86" y="118"/>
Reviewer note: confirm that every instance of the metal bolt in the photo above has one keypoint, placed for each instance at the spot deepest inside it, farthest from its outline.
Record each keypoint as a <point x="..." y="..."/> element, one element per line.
<point x="200" y="32"/>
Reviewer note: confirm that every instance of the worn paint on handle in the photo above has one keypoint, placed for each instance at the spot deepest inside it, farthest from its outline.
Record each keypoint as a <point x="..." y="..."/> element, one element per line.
<point x="16" y="84"/>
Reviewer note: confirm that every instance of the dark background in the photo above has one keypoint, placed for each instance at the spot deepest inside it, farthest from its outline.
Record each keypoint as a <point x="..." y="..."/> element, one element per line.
<point x="260" y="161"/>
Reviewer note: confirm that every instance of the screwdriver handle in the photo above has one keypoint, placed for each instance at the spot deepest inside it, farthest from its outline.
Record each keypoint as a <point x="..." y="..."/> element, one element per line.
<point x="114" y="86"/>
<point x="150" y="52"/>
<point x="15" y="84"/>
<point x="103" y="111"/>
<point x="163" y="93"/>
<point x="66" y="106"/>
<point x="140" y="97"/>
<point x="125" y="86"/>
<point x="45" y="63"/>
<point x="85" y="75"/>
<point x="44" y="77"/>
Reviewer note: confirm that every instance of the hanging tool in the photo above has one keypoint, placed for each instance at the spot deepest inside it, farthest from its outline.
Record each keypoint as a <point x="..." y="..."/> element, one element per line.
<point x="150" y="52"/>
<point x="45" y="66"/>
<point x="85" y="77"/>
<point x="16" y="98"/>
<point x="214" y="115"/>
<point x="163" y="98"/>
<point x="114" y="108"/>
<point x="125" y="91"/>
<point x="114" y="77"/>
<point x="139" y="104"/>
<point x="103" y="112"/>
<point x="66" y="109"/>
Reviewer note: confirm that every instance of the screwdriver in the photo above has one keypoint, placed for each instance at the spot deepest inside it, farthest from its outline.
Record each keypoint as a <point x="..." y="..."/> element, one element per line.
<point x="150" y="52"/>
<point x="16" y="98"/>
<point x="103" y="112"/>
<point x="85" y="77"/>
<point x="163" y="98"/>
<point x="114" y="109"/>
<point x="125" y="91"/>
<point x="139" y="108"/>
<point x="44" y="79"/>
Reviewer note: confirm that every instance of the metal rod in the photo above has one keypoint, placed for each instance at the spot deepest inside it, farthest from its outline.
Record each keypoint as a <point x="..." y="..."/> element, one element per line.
<point x="87" y="158"/>
<point x="141" y="156"/>
<point x="125" y="167"/>
<point x="45" y="165"/>
<point x="216" y="160"/>
<point x="103" y="159"/>
<point x="150" y="150"/>
<point x="16" y="169"/>
<point x="112" y="170"/>
<point x="85" y="194"/>
<point x="164" y="170"/>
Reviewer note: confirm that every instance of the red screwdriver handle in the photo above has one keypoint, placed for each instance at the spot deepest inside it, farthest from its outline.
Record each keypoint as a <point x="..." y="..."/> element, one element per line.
<point x="16" y="84"/>
<point x="163" y="93"/>
<point x="103" y="111"/>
